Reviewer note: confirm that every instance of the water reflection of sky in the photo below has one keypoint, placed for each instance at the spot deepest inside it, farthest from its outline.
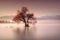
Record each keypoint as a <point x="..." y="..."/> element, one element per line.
<point x="42" y="29"/>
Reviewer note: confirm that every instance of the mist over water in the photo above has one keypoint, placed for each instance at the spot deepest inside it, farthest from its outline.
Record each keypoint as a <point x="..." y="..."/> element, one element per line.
<point x="42" y="29"/>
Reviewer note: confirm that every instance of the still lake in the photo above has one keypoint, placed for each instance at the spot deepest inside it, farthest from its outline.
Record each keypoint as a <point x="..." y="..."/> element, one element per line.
<point x="42" y="29"/>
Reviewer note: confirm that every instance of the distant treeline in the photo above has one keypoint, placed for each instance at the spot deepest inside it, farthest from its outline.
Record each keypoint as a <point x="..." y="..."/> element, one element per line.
<point x="1" y="21"/>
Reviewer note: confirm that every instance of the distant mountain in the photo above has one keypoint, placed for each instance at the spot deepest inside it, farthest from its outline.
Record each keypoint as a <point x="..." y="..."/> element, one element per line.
<point x="56" y="17"/>
<point x="6" y="17"/>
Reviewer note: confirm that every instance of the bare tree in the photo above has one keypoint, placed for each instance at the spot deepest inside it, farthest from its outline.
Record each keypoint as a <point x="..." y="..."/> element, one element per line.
<point x="23" y="16"/>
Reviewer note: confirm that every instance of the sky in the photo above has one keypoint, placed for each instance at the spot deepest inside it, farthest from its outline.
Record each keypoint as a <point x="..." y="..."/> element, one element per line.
<point x="39" y="8"/>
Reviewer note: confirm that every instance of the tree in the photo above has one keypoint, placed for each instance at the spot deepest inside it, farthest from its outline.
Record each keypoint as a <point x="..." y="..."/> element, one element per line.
<point x="21" y="16"/>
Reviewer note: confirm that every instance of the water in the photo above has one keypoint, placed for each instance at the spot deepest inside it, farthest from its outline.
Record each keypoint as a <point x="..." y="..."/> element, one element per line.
<point x="43" y="29"/>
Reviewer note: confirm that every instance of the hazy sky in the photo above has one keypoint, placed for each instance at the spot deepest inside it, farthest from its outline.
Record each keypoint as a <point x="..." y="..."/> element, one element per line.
<point x="10" y="7"/>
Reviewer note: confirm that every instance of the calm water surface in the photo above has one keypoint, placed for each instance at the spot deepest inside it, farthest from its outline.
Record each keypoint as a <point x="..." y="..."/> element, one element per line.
<point x="43" y="29"/>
